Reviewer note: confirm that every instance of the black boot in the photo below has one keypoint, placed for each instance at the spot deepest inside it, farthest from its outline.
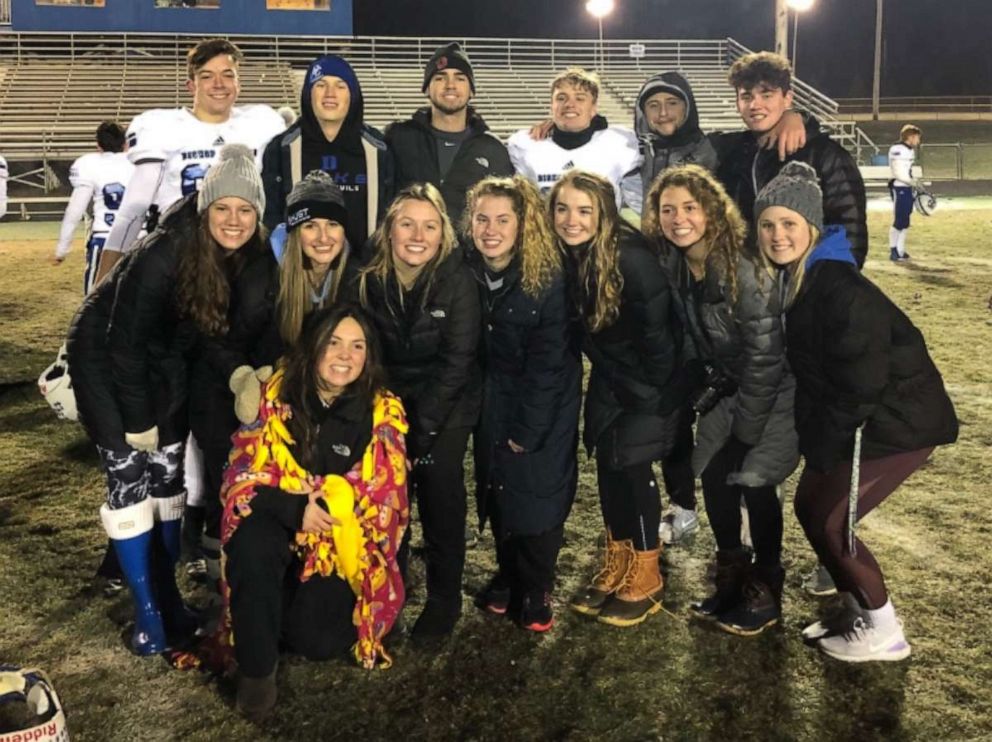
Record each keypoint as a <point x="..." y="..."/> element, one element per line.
<point x="436" y="621"/>
<point x="731" y="569"/>
<point x="761" y="606"/>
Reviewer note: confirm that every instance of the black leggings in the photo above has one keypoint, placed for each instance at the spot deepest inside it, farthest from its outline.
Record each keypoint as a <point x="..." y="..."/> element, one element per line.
<point x="821" y="507"/>
<point x="439" y="486"/>
<point x="631" y="502"/>
<point x="676" y="468"/>
<point x="724" y="512"/>
<point x="270" y="605"/>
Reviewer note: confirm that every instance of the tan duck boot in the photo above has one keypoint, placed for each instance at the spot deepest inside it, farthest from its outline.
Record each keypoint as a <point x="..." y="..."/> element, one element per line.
<point x="640" y="593"/>
<point x="617" y="558"/>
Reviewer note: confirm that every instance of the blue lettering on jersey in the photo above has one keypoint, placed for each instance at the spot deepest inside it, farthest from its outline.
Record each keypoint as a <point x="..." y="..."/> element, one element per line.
<point x="328" y="163"/>
<point x="113" y="194"/>
<point x="191" y="178"/>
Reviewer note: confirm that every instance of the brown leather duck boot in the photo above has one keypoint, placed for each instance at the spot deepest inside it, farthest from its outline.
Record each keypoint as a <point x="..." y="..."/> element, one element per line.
<point x="617" y="557"/>
<point x="640" y="593"/>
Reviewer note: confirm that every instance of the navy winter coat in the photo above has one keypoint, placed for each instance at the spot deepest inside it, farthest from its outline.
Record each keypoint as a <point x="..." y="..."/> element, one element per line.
<point x="533" y="379"/>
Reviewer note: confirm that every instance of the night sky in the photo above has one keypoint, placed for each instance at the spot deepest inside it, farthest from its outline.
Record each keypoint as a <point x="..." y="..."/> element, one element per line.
<point x="931" y="47"/>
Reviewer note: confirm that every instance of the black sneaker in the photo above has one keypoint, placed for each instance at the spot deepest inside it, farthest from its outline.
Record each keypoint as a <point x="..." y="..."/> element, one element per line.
<point x="535" y="613"/>
<point x="495" y="597"/>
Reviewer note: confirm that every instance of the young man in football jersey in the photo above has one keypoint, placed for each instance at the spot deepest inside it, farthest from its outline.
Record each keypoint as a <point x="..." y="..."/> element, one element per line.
<point x="99" y="178"/>
<point x="331" y="135"/>
<point x="580" y="137"/>
<point x="901" y="159"/>
<point x="172" y="148"/>
<point x="447" y="143"/>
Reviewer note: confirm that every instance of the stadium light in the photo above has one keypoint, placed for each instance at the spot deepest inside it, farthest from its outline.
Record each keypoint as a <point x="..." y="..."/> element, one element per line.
<point x="599" y="9"/>
<point x="797" y="7"/>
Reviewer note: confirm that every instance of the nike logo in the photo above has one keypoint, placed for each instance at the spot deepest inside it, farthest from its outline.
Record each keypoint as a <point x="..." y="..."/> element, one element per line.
<point x="451" y="144"/>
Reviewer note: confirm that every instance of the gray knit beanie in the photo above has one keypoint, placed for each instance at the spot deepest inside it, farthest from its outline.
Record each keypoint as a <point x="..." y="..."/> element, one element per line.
<point x="796" y="187"/>
<point x="234" y="174"/>
<point x="317" y="196"/>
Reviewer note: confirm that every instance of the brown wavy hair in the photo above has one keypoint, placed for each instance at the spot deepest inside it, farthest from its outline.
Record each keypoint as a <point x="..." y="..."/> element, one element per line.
<point x="540" y="256"/>
<point x="600" y="280"/>
<point x="205" y="271"/>
<point x="383" y="263"/>
<point x="726" y="229"/>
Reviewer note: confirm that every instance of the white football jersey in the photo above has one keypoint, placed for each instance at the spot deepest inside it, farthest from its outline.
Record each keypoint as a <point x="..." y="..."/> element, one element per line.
<point x="188" y="147"/>
<point x="901" y="159"/>
<point x="107" y="174"/>
<point x="612" y="153"/>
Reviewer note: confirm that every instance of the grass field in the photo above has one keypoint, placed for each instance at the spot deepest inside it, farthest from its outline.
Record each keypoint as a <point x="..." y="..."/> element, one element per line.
<point x="667" y="679"/>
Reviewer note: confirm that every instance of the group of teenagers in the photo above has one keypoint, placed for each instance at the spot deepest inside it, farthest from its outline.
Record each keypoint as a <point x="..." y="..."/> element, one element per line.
<point x="328" y="382"/>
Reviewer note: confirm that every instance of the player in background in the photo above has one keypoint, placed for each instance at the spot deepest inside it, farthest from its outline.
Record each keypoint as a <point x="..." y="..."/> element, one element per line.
<point x="901" y="159"/>
<point x="172" y="148"/>
<point x="4" y="175"/>
<point x="99" y="177"/>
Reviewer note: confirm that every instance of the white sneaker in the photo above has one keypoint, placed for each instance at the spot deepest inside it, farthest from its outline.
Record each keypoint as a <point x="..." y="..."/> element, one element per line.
<point x="676" y="524"/>
<point x="865" y="643"/>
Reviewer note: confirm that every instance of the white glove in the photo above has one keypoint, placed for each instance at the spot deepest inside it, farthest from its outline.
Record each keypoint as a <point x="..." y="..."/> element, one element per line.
<point x="144" y="441"/>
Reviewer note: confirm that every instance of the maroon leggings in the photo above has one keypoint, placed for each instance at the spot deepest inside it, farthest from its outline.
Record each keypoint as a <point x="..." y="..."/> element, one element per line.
<point x="821" y="507"/>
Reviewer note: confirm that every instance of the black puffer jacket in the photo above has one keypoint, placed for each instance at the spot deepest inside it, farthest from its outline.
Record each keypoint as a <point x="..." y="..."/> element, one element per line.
<point x="148" y="341"/>
<point x="745" y="169"/>
<point x="859" y="359"/>
<point x="89" y="364"/>
<point x="430" y="347"/>
<point x="249" y="341"/>
<point x="533" y="379"/>
<point x="745" y="340"/>
<point x="415" y="151"/>
<point x="637" y="386"/>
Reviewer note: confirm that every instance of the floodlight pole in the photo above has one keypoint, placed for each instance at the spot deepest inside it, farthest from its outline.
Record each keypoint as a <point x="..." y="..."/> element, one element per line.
<point x="876" y="82"/>
<point x="782" y="27"/>
<point x="602" y="51"/>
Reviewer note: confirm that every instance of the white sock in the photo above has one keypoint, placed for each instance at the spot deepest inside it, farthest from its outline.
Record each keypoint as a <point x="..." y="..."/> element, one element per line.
<point x="884" y="618"/>
<point x="193" y="471"/>
<point x="893" y="236"/>
<point x="901" y="241"/>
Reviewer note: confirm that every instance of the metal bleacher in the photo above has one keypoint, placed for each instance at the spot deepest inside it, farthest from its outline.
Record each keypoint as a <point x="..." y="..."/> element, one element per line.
<point x="55" y="88"/>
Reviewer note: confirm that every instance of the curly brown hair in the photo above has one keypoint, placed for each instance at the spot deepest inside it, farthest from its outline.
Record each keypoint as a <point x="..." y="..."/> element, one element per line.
<point x="540" y="256"/>
<point x="761" y="68"/>
<point x="725" y="227"/>
<point x="600" y="279"/>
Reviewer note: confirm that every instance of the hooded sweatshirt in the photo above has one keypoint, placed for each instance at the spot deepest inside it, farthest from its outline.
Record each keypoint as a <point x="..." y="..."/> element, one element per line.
<point x="346" y="159"/>
<point x="688" y="145"/>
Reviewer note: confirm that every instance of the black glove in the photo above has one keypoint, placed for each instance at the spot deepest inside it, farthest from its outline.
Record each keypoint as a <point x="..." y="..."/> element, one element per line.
<point x="734" y="452"/>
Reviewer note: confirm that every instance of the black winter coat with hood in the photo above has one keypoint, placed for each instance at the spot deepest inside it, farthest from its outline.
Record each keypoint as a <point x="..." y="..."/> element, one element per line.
<point x="637" y="387"/>
<point x="858" y="359"/>
<point x="414" y="148"/>
<point x="533" y="379"/>
<point x="358" y="158"/>
<point x="430" y="340"/>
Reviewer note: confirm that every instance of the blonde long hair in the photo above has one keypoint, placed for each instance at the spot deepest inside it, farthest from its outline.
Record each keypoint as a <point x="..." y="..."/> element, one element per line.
<point x="599" y="265"/>
<point x="540" y="256"/>
<point x="726" y="229"/>
<point x="383" y="263"/>
<point x="293" y="303"/>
